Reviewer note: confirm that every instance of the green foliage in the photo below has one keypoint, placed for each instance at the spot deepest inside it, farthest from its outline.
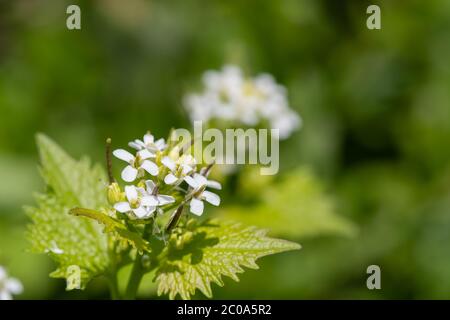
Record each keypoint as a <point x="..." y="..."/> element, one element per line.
<point x="68" y="240"/>
<point x="294" y="207"/>
<point x="214" y="250"/>
<point x="366" y="97"/>
<point x="191" y="259"/>
<point x="114" y="226"/>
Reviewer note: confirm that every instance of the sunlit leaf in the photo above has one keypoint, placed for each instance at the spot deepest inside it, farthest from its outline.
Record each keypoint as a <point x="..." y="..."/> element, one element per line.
<point x="78" y="246"/>
<point x="217" y="249"/>
<point x="114" y="226"/>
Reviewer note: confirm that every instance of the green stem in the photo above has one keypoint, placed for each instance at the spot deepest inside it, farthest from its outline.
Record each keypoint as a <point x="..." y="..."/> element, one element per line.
<point x="138" y="271"/>
<point x="112" y="277"/>
<point x="135" y="278"/>
<point x="114" y="287"/>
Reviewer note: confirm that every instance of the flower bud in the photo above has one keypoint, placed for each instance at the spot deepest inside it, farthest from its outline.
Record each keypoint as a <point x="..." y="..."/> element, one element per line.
<point x="114" y="194"/>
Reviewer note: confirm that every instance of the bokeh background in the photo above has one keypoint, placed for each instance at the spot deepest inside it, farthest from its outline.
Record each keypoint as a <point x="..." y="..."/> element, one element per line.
<point x="375" y="106"/>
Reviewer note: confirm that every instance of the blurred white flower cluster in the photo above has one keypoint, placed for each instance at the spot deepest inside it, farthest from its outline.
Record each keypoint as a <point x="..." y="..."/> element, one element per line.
<point x="8" y="285"/>
<point x="158" y="172"/>
<point x="229" y="95"/>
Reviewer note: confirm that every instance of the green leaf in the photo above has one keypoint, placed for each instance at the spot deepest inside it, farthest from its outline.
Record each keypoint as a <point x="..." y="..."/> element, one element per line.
<point x="76" y="182"/>
<point x="114" y="226"/>
<point x="294" y="207"/>
<point x="216" y="249"/>
<point x="78" y="246"/>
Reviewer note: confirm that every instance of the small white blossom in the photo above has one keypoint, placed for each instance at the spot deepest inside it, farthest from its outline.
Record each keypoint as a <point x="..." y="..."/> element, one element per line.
<point x="230" y="96"/>
<point x="159" y="199"/>
<point x="286" y="122"/>
<point x="141" y="206"/>
<point x="8" y="286"/>
<point x="142" y="202"/>
<point x="136" y="164"/>
<point x="198" y="183"/>
<point x="148" y="143"/>
<point x="179" y="167"/>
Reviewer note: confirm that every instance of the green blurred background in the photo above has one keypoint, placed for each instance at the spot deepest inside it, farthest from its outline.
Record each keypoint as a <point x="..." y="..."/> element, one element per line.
<point x="375" y="106"/>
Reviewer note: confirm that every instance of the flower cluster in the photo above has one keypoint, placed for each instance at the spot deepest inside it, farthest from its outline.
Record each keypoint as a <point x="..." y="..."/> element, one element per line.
<point x="156" y="174"/>
<point x="230" y="96"/>
<point x="8" y="285"/>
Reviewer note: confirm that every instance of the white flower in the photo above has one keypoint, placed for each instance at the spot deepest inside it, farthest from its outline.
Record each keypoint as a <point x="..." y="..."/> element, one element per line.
<point x="222" y="90"/>
<point x="149" y="143"/>
<point x="142" y="202"/>
<point x="179" y="168"/>
<point x="8" y="285"/>
<point x="199" y="184"/>
<point x="286" y="122"/>
<point x="136" y="164"/>
<point x="159" y="199"/>
<point x="230" y="96"/>
<point x="141" y="206"/>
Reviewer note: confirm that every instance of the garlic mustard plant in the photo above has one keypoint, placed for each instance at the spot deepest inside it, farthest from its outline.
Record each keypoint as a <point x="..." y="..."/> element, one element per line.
<point x="232" y="98"/>
<point x="92" y="223"/>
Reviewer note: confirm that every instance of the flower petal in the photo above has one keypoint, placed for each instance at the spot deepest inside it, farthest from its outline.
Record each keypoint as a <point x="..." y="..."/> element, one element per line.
<point x="186" y="169"/>
<point x="196" y="206"/>
<point x="141" y="191"/>
<point x="148" y="138"/>
<point x="170" y="179"/>
<point x="160" y="144"/>
<point x="201" y="180"/>
<point x="150" y="186"/>
<point x="140" y="142"/>
<point x="140" y="212"/>
<point x="149" y="201"/>
<point x="169" y="163"/>
<point x="150" y="210"/>
<point x="191" y="181"/>
<point x="163" y="199"/>
<point x="150" y="167"/>
<point x="123" y="155"/>
<point x="145" y="154"/>
<point x="214" y="184"/>
<point x="135" y="145"/>
<point x="122" y="207"/>
<point x="212" y="198"/>
<point x="131" y="193"/>
<point x="14" y="286"/>
<point x="129" y="174"/>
